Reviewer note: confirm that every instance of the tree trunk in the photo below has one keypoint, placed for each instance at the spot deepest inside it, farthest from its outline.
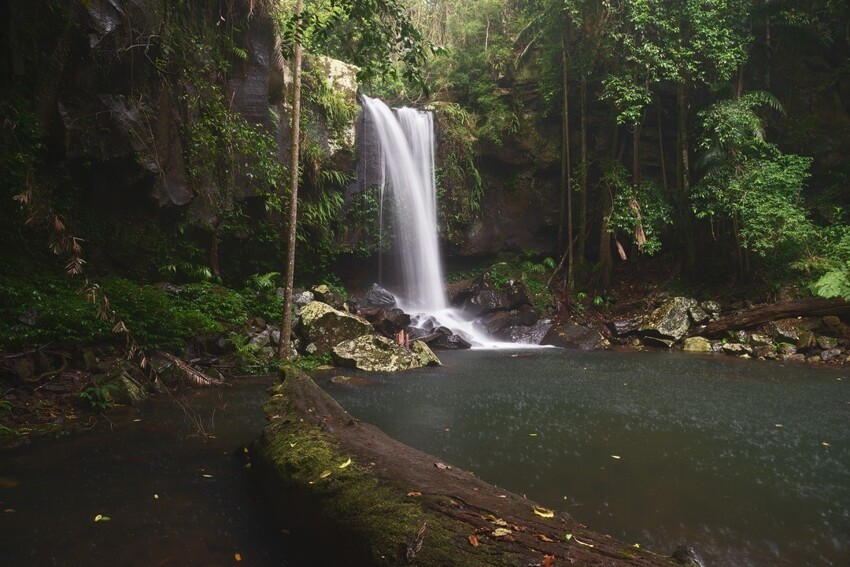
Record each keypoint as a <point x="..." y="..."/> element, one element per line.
<point x="359" y="497"/>
<point x="285" y="349"/>
<point x="566" y="172"/>
<point x="581" y="246"/>
<point x="214" y="265"/>
<point x="685" y="226"/>
<point x="814" y="307"/>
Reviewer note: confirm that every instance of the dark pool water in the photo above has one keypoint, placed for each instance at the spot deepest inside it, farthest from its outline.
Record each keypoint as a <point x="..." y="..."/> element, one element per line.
<point x="748" y="462"/>
<point x="173" y="496"/>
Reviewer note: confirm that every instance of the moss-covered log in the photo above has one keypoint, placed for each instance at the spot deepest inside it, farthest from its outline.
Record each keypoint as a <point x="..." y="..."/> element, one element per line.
<point x="370" y="500"/>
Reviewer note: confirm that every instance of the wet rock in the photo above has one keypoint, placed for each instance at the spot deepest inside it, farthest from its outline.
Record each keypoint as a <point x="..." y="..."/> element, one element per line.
<point x="485" y="301"/>
<point x="736" y="349"/>
<point x="784" y="330"/>
<point x="831" y="354"/>
<point x="794" y="357"/>
<point x="449" y="342"/>
<point x="376" y="354"/>
<point x="836" y="326"/>
<point x="826" y="343"/>
<point x="516" y="294"/>
<point x="670" y="321"/>
<point x="303" y="298"/>
<point x="626" y="326"/>
<point x="526" y="314"/>
<point x="425" y="354"/>
<point x="712" y="308"/>
<point x="311" y="349"/>
<point x="572" y="336"/>
<point x="326" y="327"/>
<point x="327" y="294"/>
<point x="757" y="339"/>
<point x="261" y="339"/>
<point x="380" y="297"/>
<point x="764" y="351"/>
<point x="699" y="315"/>
<point x="697" y="344"/>
<point x="388" y="322"/>
<point x="495" y="321"/>
<point x="786" y="349"/>
<point x="658" y="342"/>
<point x="526" y="334"/>
<point x="814" y="359"/>
<point x="805" y="339"/>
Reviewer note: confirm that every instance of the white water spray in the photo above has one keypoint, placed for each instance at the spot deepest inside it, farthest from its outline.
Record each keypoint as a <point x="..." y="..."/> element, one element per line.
<point x="406" y="138"/>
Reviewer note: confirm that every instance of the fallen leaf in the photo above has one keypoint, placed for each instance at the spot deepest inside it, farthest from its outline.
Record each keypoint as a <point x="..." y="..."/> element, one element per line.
<point x="568" y="537"/>
<point x="101" y="518"/>
<point x="548" y="561"/>
<point x="532" y="434"/>
<point x="10" y="510"/>
<point x="325" y="474"/>
<point x="441" y="466"/>
<point x="583" y="543"/>
<point x="543" y="512"/>
<point x="414" y="494"/>
<point x="473" y="540"/>
<point x="501" y="532"/>
<point x="207" y="475"/>
<point x="292" y="445"/>
<point x="345" y="464"/>
<point x="636" y="546"/>
<point x="237" y="556"/>
<point x="156" y="496"/>
<point x="544" y="537"/>
<point x="615" y="456"/>
<point x="825" y="444"/>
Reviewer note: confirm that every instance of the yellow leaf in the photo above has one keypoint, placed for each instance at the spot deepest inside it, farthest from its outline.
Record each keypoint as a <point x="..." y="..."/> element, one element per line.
<point x="501" y="532"/>
<point x="544" y="537"/>
<point x="615" y="456"/>
<point x="568" y="537"/>
<point x="237" y="556"/>
<point x="414" y="494"/>
<point x="543" y="512"/>
<point x="325" y="474"/>
<point x="345" y="464"/>
<point x="825" y="444"/>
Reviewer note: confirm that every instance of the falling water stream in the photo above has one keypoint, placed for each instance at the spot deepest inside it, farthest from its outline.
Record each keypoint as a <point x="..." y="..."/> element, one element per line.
<point x="406" y="140"/>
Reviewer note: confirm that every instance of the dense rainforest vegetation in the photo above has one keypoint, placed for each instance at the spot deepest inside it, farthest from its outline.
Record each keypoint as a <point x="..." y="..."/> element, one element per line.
<point x="148" y="142"/>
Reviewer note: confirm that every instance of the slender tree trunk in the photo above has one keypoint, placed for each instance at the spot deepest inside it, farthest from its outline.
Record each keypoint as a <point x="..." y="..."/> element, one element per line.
<point x="685" y="228"/>
<point x="661" y="149"/>
<point x="285" y="348"/>
<point x="566" y="173"/>
<point x="581" y="247"/>
<point x="214" y="265"/>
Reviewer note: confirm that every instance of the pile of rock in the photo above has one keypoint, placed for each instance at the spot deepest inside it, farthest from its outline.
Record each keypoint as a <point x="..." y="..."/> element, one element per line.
<point x="678" y="320"/>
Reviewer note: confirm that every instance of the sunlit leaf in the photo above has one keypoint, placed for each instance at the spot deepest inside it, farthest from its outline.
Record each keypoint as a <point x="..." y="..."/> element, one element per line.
<point x="544" y="537"/>
<point x="543" y="512"/>
<point x="501" y="532"/>
<point x="345" y="464"/>
<point x="414" y="494"/>
<point x="568" y="537"/>
<point x="615" y="456"/>
<point x="325" y="474"/>
<point x="237" y="556"/>
<point x="473" y="540"/>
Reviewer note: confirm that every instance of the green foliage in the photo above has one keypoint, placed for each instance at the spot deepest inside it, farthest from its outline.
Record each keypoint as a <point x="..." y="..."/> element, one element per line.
<point x="749" y="180"/>
<point x="312" y="362"/>
<point x="459" y="184"/>
<point x="99" y="397"/>
<point x="640" y="212"/>
<point x="261" y="297"/>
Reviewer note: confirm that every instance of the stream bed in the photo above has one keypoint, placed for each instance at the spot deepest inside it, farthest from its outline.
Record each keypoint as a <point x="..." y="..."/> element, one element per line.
<point x="746" y="461"/>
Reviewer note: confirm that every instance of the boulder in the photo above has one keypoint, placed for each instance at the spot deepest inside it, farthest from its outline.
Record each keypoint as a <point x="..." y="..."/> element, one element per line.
<point x="736" y="349"/>
<point x="699" y="315"/>
<point x="805" y="339"/>
<point x="826" y="343"/>
<point x="375" y="353"/>
<point x="764" y="351"/>
<point x="526" y="334"/>
<point x="670" y="321"/>
<point x="388" y="322"/>
<point x="449" y="342"/>
<point x="494" y="321"/>
<point x="786" y="349"/>
<point x="573" y="336"/>
<point x="626" y="326"/>
<point x="485" y="301"/>
<point x="380" y="297"/>
<point x="697" y="344"/>
<point x="757" y="339"/>
<point x="712" y="308"/>
<point x="327" y="294"/>
<point x="425" y="354"/>
<point x="784" y="330"/>
<point x="831" y="354"/>
<point x="326" y="327"/>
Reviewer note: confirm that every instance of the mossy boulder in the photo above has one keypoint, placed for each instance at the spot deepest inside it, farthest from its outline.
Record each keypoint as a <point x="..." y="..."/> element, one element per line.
<point x="697" y="344"/>
<point x="670" y="321"/>
<point x="326" y="327"/>
<point x="376" y="353"/>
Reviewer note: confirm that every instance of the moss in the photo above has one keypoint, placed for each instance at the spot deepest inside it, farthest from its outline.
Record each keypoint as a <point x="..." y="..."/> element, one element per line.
<point x="373" y="521"/>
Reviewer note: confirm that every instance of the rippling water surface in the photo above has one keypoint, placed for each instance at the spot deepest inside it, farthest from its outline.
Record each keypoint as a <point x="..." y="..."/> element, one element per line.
<point x="747" y="461"/>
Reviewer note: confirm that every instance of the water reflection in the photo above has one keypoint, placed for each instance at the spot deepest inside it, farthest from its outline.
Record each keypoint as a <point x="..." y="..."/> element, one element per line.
<point x="748" y="462"/>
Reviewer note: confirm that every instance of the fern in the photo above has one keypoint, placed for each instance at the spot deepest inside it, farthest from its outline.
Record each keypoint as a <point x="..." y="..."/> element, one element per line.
<point x="833" y="284"/>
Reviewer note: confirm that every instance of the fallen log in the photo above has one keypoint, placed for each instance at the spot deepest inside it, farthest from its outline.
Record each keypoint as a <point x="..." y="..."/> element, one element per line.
<point x="815" y="307"/>
<point x="367" y="499"/>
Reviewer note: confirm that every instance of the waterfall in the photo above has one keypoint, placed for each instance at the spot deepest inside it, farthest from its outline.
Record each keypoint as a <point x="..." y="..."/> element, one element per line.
<point x="407" y="152"/>
<point x="406" y="139"/>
